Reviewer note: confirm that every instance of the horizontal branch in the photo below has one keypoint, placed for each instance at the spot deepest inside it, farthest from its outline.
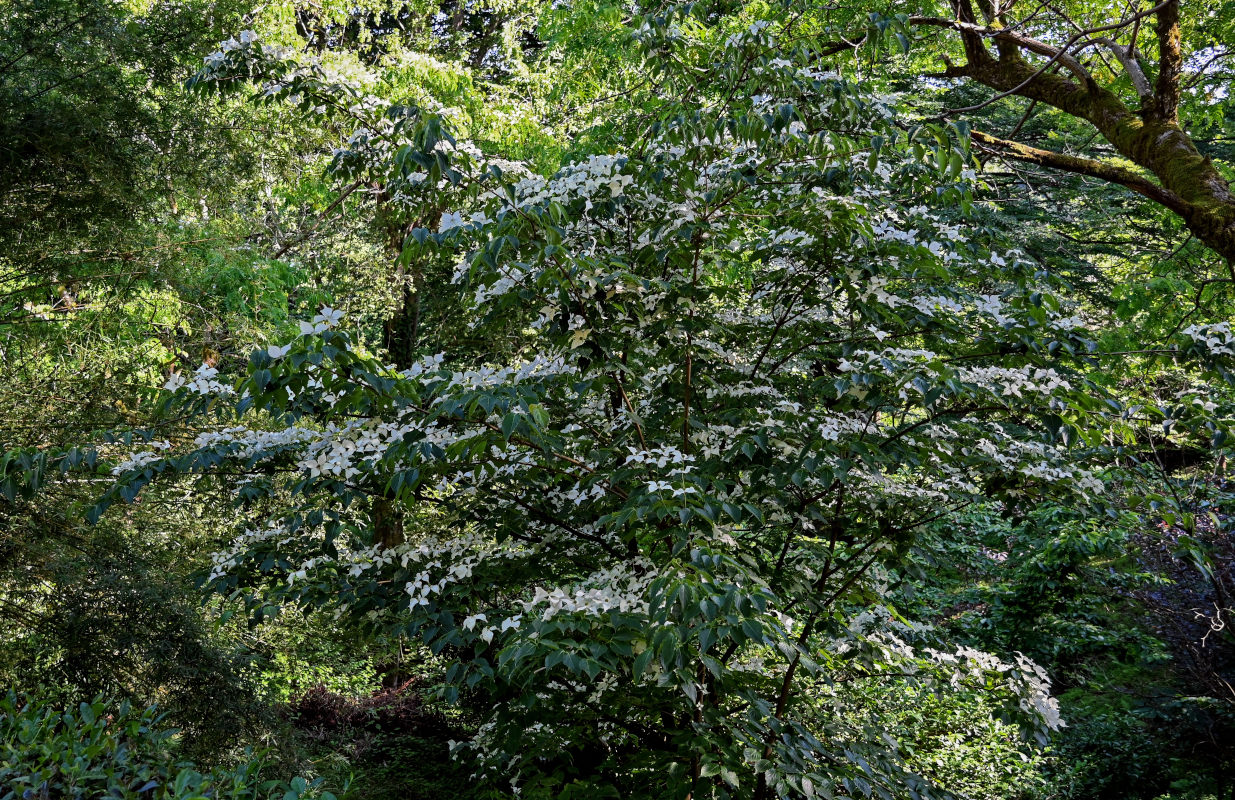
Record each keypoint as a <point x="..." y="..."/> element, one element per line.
<point x="1082" y="166"/>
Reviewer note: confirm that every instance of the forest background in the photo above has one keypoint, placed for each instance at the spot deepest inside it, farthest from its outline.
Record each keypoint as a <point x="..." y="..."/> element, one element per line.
<point x="582" y="399"/>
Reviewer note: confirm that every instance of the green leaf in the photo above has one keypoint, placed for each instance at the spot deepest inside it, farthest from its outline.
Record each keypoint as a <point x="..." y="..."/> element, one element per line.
<point x="509" y="423"/>
<point x="641" y="663"/>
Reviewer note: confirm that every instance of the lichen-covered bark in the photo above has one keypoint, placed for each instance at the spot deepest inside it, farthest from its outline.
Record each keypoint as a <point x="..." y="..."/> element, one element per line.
<point x="1082" y="166"/>
<point x="1152" y="139"/>
<point x="1170" y="61"/>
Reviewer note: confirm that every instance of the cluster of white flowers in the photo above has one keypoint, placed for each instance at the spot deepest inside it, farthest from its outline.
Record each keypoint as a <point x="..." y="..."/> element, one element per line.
<point x="247" y="443"/>
<point x="453" y="219"/>
<point x="139" y="460"/>
<point x="540" y="367"/>
<point x="1007" y="381"/>
<point x="993" y="307"/>
<point x="789" y="237"/>
<point x="1217" y="337"/>
<point x="1022" y="678"/>
<point x="224" y="561"/>
<point x="622" y="587"/>
<point x="204" y="382"/>
<point x="598" y="177"/>
<point x="659" y="457"/>
<point x="756" y="34"/>
<point x="657" y="487"/>
<point x="1200" y="400"/>
<point x="325" y="319"/>
<point x="246" y="44"/>
<point x="1034" y="459"/>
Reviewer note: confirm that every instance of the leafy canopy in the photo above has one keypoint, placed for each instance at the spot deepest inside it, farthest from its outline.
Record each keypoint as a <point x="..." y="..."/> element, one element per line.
<point x="745" y="360"/>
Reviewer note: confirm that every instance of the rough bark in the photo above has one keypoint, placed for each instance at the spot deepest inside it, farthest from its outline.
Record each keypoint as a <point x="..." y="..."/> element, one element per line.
<point x="387" y="520"/>
<point x="1152" y="138"/>
<point x="1081" y="166"/>
<point x="1170" y="62"/>
<point x="1156" y="143"/>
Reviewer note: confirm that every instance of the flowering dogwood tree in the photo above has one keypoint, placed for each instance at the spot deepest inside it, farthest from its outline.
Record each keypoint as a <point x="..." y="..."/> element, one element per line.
<point x="753" y="355"/>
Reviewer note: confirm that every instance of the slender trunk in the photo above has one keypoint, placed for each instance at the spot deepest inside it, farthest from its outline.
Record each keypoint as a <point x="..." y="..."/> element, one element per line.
<point x="400" y="333"/>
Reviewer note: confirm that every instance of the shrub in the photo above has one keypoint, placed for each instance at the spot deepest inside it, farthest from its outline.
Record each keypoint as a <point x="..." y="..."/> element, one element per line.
<point x="117" y="751"/>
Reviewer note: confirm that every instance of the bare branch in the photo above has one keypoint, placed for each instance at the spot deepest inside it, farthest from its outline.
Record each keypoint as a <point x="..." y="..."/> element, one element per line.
<point x="1201" y="71"/>
<point x="984" y="57"/>
<point x="321" y="217"/>
<point x="1127" y="59"/>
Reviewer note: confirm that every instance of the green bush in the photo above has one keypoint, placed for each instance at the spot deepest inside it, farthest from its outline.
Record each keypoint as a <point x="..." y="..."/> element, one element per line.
<point x="115" y="751"/>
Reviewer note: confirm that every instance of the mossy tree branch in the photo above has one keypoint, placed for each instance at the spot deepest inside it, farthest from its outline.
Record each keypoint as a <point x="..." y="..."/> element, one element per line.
<point x="1151" y="137"/>
<point x="1081" y="166"/>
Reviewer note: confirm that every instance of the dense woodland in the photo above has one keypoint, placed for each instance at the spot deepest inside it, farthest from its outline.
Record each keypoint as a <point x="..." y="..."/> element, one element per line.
<point x="582" y="399"/>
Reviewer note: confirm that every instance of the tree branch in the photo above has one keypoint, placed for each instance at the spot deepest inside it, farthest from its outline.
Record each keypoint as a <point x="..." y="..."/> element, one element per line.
<point x="302" y="236"/>
<point x="1082" y="166"/>
<point x="1170" y="62"/>
<point x="1043" y="49"/>
<point x="1188" y="182"/>
<point x="1127" y="59"/>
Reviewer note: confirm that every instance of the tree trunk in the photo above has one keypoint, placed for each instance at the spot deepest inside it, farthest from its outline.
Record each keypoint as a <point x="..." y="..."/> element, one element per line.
<point x="400" y="332"/>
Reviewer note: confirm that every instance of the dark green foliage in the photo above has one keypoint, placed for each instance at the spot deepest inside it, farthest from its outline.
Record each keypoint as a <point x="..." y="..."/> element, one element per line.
<point x="104" y="616"/>
<point x="101" y="749"/>
<point x="1133" y="734"/>
<point x="1108" y="608"/>
<point x="392" y="745"/>
<point x="91" y="125"/>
